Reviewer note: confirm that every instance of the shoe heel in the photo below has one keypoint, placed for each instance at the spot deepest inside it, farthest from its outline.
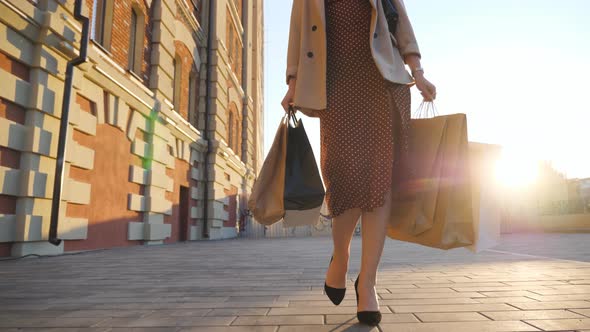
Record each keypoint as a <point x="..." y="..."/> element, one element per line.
<point x="371" y="318"/>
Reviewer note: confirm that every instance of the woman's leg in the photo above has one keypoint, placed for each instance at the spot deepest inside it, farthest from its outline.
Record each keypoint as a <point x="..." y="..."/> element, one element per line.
<point x="373" y="231"/>
<point x="343" y="227"/>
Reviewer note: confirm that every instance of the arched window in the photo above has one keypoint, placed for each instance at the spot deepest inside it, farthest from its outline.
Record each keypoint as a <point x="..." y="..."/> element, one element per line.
<point x="230" y="130"/>
<point x="193" y="98"/>
<point x="177" y="80"/>
<point x="234" y="131"/>
<point x="137" y="26"/>
<point x="103" y="23"/>
<point x="238" y="132"/>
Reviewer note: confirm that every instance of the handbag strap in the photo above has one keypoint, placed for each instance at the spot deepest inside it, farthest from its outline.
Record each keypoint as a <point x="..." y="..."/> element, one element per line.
<point x="425" y="110"/>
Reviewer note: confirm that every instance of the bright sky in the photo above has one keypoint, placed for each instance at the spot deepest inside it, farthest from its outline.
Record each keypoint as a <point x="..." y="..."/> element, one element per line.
<point x="519" y="69"/>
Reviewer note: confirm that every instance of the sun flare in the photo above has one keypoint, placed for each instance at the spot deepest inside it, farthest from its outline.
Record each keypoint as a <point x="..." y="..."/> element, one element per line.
<point x="516" y="168"/>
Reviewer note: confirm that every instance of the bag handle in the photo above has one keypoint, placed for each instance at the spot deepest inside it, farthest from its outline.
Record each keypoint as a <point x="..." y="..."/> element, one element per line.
<point x="291" y="115"/>
<point x="425" y="109"/>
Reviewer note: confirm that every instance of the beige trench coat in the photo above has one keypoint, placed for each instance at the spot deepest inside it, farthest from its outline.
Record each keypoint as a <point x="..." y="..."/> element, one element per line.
<point x="306" y="55"/>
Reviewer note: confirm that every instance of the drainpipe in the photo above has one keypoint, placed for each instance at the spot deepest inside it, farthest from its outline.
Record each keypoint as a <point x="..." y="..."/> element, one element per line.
<point x="211" y="24"/>
<point x="243" y="212"/>
<point x="63" y="126"/>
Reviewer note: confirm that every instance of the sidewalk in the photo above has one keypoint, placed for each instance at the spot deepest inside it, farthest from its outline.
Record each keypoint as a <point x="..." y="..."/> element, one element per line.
<point x="277" y="285"/>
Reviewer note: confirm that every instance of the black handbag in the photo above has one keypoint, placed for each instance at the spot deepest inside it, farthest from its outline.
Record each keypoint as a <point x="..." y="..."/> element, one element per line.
<point x="391" y="15"/>
<point x="304" y="189"/>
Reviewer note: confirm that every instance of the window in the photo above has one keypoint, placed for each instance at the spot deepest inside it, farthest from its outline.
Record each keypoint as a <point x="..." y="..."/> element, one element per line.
<point x="136" y="35"/>
<point x="176" y="84"/>
<point x="193" y="99"/>
<point x="103" y="22"/>
<point x="230" y="45"/>
<point x="230" y="131"/>
<point x="237" y="139"/>
<point x="234" y="131"/>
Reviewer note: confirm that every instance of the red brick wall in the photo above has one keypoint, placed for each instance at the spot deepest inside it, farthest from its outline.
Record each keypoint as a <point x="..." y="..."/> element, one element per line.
<point x="14" y="67"/>
<point x="11" y="111"/>
<point x="107" y="213"/>
<point x="120" y="42"/>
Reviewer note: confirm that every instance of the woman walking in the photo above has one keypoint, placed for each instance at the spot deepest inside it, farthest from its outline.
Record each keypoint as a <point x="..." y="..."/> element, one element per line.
<point x="345" y="68"/>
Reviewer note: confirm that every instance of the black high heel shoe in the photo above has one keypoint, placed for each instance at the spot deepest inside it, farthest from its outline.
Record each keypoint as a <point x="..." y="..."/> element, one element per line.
<point x="336" y="295"/>
<point x="367" y="317"/>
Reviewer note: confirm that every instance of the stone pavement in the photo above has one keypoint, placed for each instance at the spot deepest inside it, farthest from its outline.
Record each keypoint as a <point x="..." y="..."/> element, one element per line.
<point x="277" y="285"/>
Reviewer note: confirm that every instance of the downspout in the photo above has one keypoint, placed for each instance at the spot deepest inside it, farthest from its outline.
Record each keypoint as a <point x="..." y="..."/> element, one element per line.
<point x="245" y="79"/>
<point x="63" y="126"/>
<point x="206" y="135"/>
<point x="243" y="212"/>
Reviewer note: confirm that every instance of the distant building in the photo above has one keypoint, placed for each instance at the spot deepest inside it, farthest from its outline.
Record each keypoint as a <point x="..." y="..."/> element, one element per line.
<point x="142" y="131"/>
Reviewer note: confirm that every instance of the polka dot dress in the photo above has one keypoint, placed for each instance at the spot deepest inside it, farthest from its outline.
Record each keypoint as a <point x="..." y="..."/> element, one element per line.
<point x="365" y="114"/>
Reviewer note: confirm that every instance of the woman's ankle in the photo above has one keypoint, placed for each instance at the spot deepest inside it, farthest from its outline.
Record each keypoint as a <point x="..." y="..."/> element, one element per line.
<point x="341" y="256"/>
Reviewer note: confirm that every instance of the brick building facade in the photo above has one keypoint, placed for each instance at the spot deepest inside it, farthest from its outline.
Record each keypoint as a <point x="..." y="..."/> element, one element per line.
<point x="145" y="121"/>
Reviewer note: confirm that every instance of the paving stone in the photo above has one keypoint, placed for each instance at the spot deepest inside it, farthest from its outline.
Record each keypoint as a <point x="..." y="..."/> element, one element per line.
<point x="105" y="313"/>
<point x="558" y="298"/>
<point x="450" y="308"/>
<point x="585" y="312"/>
<point x="38" y="313"/>
<point x="510" y="294"/>
<point x="59" y="329"/>
<point x="501" y="288"/>
<point x="329" y="328"/>
<point x="530" y="314"/>
<point x="561" y="324"/>
<point x="179" y="313"/>
<point x="280" y="320"/>
<point x="166" y="321"/>
<point x="312" y="310"/>
<point x="580" y="282"/>
<point x="514" y="299"/>
<point x="50" y="322"/>
<point x="144" y="329"/>
<point x="552" y="305"/>
<point x="386" y="318"/>
<point x="479" y="326"/>
<point x="238" y="312"/>
<point x="436" y="295"/>
<point x="451" y="317"/>
<point x="452" y="300"/>
<point x="230" y="329"/>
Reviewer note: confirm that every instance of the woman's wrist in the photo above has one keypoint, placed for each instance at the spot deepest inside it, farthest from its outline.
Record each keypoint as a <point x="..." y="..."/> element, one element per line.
<point x="418" y="72"/>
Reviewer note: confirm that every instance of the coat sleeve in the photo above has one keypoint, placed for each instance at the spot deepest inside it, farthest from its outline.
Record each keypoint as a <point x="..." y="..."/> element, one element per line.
<point x="294" y="40"/>
<point x="404" y="35"/>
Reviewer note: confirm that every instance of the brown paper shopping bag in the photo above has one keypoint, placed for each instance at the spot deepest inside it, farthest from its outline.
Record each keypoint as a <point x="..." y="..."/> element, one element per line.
<point x="266" y="200"/>
<point x="435" y="207"/>
<point x="289" y="186"/>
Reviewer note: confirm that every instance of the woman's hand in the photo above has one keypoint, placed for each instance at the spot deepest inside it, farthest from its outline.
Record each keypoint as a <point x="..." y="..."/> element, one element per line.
<point x="427" y="89"/>
<point x="288" y="99"/>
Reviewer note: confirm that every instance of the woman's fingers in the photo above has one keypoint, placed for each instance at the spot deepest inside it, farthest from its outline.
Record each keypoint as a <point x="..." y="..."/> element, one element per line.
<point x="427" y="89"/>
<point x="426" y="95"/>
<point x="285" y="103"/>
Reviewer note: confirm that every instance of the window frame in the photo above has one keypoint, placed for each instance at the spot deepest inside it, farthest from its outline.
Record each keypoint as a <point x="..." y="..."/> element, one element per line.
<point x="102" y="25"/>
<point x="136" y="41"/>
<point x="177" y="82"/>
